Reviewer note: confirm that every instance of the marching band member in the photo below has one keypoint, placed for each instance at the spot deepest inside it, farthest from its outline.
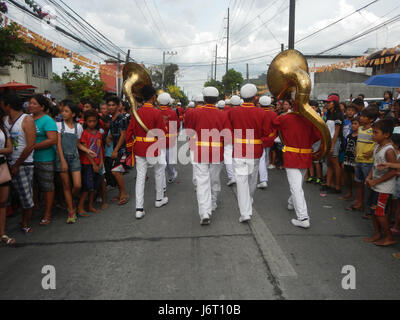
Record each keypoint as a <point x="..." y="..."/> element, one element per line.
<point x="228" y="105"/>
<point x="153" y="119"/>
<point x="250" y="128"/>
<point x="171" y="121"/>
<point x="181" y="113"/>
<point x="209" y="124"/>
<point x="265" y="102"/>
<point x="221" y="105"/>
<point x="236" y="101"/>
<point x="198" y="102"/>
<point x="298" y="135"/>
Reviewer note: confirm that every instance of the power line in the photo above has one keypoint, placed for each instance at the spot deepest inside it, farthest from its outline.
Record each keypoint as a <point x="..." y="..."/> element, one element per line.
<point x="265" y="23"/>
<point x="252" y="20"/>
<point x="155" y="23"/>
<point x="92" y="27"/>
<point x="337" y="21"/>
<point x="63" y="31"/>
<point x="387" y="22"/>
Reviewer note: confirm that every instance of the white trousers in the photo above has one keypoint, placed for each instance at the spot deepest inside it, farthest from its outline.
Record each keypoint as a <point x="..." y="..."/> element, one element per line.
<point x="246" y="172"/>
<point x="168" y="156"/>
<point x="228" y="149"/>
<point x="264" y="163"/>
<point x="192" y="162"/>
<point x="142" y="164"/>
<point x="297" y="200"/>
<point x="208" y="185"/>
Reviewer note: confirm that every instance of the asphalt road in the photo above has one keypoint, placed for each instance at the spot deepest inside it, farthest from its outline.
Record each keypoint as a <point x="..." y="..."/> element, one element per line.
<point x="169" y="256"/>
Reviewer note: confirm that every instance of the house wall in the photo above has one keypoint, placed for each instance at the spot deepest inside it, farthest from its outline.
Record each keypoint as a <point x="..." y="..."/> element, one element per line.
<point x="25" y="74"/>
<point x="344" y="82"/>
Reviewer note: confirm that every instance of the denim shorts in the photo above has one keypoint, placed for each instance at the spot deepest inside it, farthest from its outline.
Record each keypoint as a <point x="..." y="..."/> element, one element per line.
<point x="73" y="162"/>
<point x="362" y="171"/>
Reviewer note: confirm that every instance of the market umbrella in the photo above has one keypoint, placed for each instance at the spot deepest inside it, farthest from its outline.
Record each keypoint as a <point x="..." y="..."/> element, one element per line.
<point x="16" y="86"/>
<point x="391" y="80"/>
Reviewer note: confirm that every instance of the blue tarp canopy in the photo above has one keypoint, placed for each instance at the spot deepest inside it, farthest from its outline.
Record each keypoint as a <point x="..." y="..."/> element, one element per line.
<point x="391" y="80"/>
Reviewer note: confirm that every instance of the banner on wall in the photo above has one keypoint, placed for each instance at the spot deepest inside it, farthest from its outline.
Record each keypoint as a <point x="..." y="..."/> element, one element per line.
<point x="56" y="50"/>
<point x="361" y="62"/>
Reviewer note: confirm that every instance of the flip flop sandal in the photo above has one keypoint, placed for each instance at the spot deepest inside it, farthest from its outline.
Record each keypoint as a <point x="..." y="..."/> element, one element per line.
<point x="115" y="199"/>
<point x="45" y="222"/>
<point x="123" y="201"/>
<point x="27" y="230"/>
<point x="7" y="240"/>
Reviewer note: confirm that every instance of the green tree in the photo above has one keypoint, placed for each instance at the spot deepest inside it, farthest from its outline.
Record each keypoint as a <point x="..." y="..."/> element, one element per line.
<point x="11" y="46"/>
<point x="216" y="84"/>
<point x="82" y="85"/>
<point x="177" y="94"/>
<point x="169" y="76"/>
<point x="232" y="81"/>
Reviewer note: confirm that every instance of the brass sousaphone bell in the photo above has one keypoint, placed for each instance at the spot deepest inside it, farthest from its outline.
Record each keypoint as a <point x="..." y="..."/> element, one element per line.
<point x="288" y="79"/>
<point x="135" y="78"/>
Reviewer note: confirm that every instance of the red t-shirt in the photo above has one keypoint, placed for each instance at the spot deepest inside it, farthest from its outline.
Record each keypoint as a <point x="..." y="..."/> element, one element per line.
<point x="94" y="143"/>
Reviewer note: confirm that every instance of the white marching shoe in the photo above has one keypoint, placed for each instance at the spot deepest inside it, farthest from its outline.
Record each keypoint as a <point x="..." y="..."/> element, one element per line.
<point x="160" y="203"/>
<point x="140" y="214"/>
<point x="231" y="182"/>
<point x="243" y="219"/>
<point x="172" y="180"/>
<point x="302" y="224"/>
<point x="262" y="185"/>
<point x="205" y="220"/>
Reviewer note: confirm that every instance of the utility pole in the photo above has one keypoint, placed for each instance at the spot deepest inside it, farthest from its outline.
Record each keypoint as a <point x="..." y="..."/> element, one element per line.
<point x="215" y="72"/>
<point x="247" y="71"/>
<point x="126" y="62"/>
<point x="118" y="76"/>
<point x="292" y="23"/>
<point x="227" y="45"/>
<point x="212" y="70"/>
<point x="170" y="53"/>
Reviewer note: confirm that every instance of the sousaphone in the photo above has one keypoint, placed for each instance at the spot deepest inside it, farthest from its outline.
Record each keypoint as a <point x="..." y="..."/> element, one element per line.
<point x="288" y="79"/>
<point x="135" y="78"/>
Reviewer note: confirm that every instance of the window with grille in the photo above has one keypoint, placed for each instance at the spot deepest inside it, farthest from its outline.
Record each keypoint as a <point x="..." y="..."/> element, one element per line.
<point x="39" y="67"/>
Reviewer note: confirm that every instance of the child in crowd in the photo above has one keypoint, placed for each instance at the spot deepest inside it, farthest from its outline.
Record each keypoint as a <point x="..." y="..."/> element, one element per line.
<point x="351" y="111"/>
<point x="92" y="140"/>
<point x="350" y="158"/>
<point x="382" y="183"/>
<point x="67" y="158"/>
<point x="396" y="198"/>
<point x="364" y="155"/>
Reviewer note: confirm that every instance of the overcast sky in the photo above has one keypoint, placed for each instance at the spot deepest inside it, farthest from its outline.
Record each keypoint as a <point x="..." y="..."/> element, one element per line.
<point x="257" y="29"/>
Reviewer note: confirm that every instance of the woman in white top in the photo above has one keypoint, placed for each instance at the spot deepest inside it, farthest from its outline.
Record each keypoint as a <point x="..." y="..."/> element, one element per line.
<point x="5" y="149"/>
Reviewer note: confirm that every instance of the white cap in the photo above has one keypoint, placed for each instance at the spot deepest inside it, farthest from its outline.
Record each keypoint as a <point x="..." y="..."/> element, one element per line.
<point x="199" y="98"/>
<point x="210" y="92"/>
<point x="236" y="101"/>
<point x="227" y="101"/>
<point x="172" y="101"/>
<point x="221" y="104"/>
<point x="191" y="104"/>
<point x="265" y="101"/>
<point x="248" y="91"/>
<point x="164" y="99"/>
<point x="179" y="104"/>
